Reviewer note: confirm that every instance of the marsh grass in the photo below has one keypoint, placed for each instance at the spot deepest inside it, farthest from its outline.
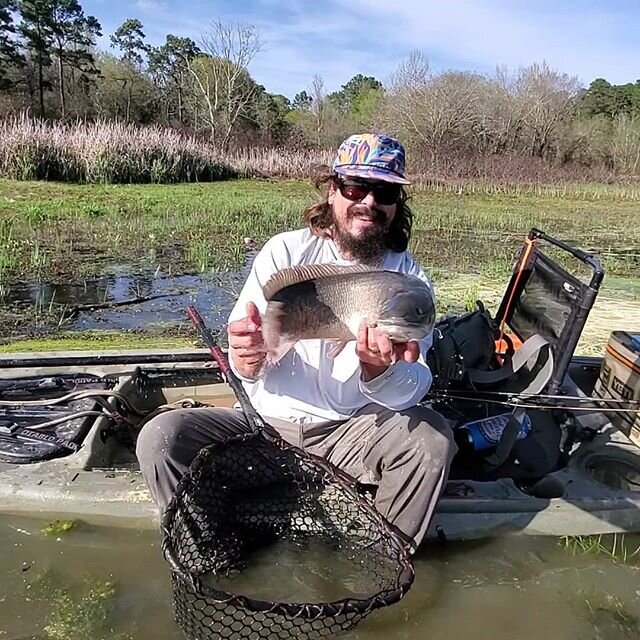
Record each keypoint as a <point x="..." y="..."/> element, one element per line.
<point x="110" y="152"/>
<point x="105" y="152"/>
<point x="629" y="190"/>
<point x="58" y="230"/>
<point x="98" y="340"/>
<point x="614" y="546"/>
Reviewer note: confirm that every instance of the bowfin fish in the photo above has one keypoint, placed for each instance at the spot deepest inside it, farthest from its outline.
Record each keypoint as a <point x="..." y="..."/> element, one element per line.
<point x="329" y="301"/>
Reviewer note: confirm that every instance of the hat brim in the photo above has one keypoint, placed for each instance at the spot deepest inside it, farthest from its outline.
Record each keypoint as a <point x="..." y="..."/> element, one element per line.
<point x="373" y="173"/>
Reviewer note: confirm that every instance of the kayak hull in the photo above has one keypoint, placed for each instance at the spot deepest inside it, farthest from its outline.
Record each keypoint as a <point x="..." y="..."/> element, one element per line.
<point x="98" y="484"/>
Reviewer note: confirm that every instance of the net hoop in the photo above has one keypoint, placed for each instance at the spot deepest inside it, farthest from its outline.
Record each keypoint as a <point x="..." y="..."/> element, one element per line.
<point x="306" y="611"/>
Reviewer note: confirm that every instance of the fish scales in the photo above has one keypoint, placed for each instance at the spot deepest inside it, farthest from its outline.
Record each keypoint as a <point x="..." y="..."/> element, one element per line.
<point x="330" y="301"/>
<point x="328" y="307"/>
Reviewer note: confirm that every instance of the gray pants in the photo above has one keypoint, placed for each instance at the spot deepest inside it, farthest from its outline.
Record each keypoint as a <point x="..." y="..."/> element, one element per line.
<point x="407" y="454"/>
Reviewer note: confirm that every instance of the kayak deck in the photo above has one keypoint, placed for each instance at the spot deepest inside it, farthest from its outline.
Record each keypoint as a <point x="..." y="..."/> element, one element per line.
<point x="595" y="493"/>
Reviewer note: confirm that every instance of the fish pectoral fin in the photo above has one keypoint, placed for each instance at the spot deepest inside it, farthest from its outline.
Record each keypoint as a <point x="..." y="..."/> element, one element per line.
<point x="336" y="348"/>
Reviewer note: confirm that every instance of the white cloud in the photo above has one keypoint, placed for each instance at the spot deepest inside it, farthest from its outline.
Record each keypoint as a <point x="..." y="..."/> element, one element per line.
<point x="582" y="40"/>
<point x="151" y="5"/>
<point x="337" y="40"/>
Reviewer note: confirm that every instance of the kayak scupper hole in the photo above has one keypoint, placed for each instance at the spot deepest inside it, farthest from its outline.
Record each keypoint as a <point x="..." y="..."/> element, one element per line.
<point x="623" y="475"/>
<point x="547" y="488"/>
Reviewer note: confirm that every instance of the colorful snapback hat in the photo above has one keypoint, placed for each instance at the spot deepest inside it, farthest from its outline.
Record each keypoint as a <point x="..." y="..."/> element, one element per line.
<point x="371" y="155"/>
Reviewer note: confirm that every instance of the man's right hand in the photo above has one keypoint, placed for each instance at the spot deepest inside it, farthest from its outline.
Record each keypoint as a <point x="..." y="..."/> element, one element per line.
<point x="246" y="346"/>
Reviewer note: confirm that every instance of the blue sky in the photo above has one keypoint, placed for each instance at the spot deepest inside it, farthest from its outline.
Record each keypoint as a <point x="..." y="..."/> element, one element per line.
<point x="336" y="40"/>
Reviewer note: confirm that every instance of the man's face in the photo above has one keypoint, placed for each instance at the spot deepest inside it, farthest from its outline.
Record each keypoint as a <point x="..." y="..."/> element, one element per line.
<point x="362" y="213"/>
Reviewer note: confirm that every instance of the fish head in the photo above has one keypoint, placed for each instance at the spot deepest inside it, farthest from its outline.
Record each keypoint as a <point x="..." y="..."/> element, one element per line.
<point x="409" y="313"/>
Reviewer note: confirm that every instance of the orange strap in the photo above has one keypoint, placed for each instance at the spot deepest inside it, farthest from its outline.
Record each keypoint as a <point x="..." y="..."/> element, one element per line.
<point x="529" y="245"/>
<point x="620" y="358"/>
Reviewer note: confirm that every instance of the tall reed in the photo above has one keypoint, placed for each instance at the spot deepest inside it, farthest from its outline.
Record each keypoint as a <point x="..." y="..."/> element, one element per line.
<point x="116" y="152"/>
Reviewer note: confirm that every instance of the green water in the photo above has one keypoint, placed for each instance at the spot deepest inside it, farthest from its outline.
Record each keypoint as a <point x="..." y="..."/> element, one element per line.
<point x="110" y="583"/>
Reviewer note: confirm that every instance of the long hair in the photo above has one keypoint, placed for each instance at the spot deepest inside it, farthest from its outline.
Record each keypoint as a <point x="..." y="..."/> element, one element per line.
<point x="319" y="216"/>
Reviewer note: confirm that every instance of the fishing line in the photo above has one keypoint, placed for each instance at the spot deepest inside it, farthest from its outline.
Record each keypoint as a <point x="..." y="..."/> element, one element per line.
<point x="510" y="394"/>
<point x="531" y="405"/>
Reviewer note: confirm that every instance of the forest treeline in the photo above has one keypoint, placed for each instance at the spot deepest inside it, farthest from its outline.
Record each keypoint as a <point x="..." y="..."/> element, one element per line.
<point x="532" y="123"/>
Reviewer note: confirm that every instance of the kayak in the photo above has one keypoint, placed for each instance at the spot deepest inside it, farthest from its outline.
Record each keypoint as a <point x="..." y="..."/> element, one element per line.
<point x="68" y="422"/>
<point x="84" y="466"/>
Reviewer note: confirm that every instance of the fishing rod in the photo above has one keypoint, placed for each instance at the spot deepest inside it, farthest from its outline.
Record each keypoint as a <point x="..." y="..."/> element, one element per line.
<point x="510" y="395"/>
<point x="106" y="359"/>
<point x="54" y="422"/>
<point x="53" y="382"/>
<point x="515" y="402"/>
<point x="185" y="402"/>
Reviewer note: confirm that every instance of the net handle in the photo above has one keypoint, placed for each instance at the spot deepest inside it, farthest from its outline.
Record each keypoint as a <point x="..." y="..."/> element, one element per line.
<point x="253" y="417"/>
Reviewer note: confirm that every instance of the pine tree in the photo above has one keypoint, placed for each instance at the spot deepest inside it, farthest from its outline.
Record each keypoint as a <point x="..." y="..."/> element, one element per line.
<point x="36" y="29"/>
<point x="9" y="55"/>
<point x="73" y="34"/>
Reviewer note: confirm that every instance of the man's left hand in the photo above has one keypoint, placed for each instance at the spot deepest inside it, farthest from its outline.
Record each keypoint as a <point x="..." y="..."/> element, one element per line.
<point x="377" y="352"/>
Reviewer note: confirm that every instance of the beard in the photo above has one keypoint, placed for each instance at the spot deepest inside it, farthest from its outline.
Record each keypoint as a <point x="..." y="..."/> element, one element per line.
<point x="368" y="247"/>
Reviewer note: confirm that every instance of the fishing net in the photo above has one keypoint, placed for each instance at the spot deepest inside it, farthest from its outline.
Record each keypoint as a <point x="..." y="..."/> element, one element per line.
<point x="245" y="500"/>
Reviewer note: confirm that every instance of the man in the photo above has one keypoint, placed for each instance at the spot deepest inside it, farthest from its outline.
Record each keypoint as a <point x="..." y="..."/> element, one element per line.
<point x="358" y="409"/>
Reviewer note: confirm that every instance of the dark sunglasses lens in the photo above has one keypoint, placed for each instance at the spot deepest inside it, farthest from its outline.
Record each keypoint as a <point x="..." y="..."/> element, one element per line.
<point x="387" y="194"/>
<point x="354" y="191"/>
<point x="383" y="193"/>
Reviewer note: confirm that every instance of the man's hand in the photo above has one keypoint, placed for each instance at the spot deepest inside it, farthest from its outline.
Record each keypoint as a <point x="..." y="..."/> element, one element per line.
<point x="377" y="352"/>
<point x="245" y="342"/>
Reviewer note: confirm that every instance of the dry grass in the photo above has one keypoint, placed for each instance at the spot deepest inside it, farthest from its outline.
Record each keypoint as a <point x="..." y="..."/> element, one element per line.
<point x="115" y="152"/>
<point x="111" y="152"/>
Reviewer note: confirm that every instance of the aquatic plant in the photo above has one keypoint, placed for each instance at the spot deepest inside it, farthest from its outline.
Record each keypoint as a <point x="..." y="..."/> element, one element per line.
<point x="81" y="615"/>
<point x="57" y="527"/>
<point x="613" y="545"/>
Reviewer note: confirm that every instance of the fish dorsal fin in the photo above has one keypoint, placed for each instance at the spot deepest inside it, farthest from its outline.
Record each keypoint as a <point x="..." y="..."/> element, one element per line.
<point x="304" y="272"/>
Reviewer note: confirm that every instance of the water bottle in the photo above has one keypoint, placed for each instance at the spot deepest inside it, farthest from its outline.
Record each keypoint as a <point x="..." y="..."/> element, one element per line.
<point x="486" y="433"/>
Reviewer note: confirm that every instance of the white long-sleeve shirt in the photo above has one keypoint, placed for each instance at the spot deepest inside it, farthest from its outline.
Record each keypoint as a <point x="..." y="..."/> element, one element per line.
<point x="306" y="385"/>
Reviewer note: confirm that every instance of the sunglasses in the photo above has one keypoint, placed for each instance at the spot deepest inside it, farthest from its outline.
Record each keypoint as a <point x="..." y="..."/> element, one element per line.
<point x="383" y="192"/>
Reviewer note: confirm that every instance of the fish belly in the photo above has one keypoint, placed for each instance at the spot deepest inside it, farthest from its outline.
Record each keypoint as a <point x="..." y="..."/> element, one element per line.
<point x="327" y="308"/>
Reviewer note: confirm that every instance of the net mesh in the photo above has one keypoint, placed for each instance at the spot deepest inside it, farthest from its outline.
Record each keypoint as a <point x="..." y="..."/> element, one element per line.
<point x="245" y="497"/>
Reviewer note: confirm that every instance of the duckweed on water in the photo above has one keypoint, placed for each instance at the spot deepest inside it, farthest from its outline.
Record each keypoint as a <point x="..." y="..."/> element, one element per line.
<point x="58" y="527"/>
<point x="76" y="611"/>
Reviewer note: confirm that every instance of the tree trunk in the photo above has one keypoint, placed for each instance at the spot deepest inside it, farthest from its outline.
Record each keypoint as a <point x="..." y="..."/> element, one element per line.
<point x="63" y="109"/>
<point x="227" y="138"/>
<point x="41" y="84"/>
